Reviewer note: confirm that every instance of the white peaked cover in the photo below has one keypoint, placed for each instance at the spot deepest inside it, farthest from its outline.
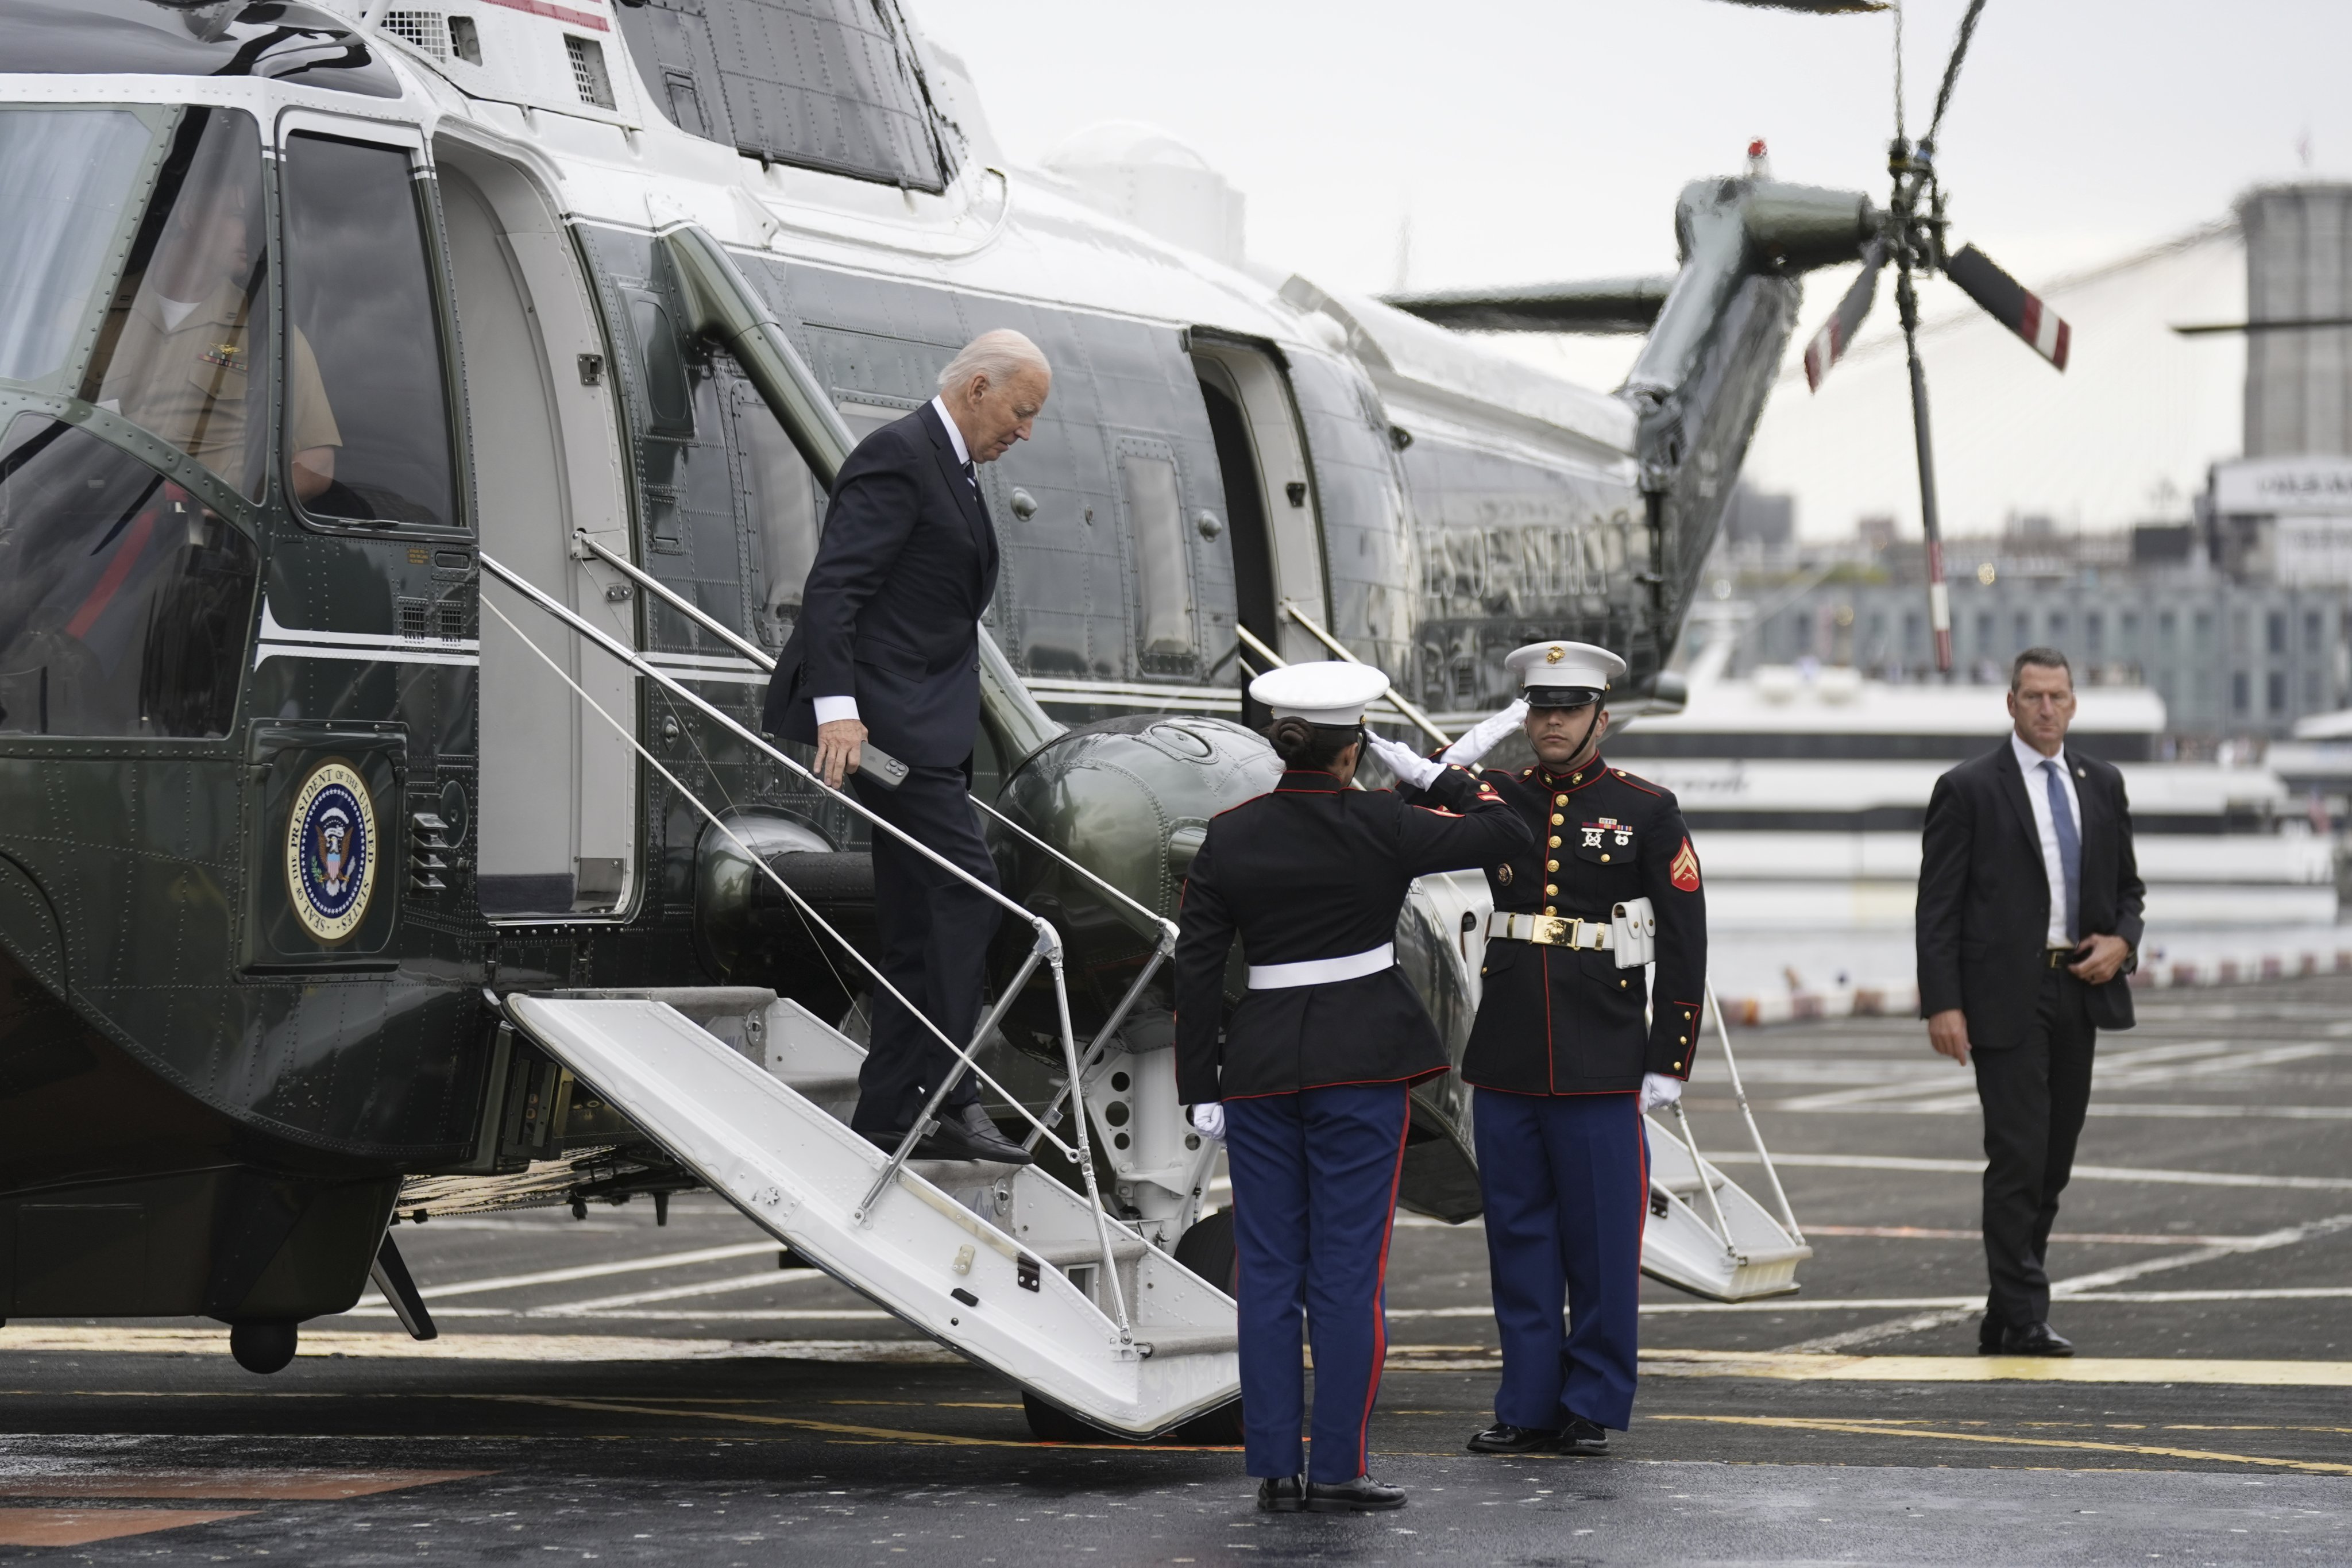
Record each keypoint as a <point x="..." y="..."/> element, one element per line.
<point x="986" y="1268"/>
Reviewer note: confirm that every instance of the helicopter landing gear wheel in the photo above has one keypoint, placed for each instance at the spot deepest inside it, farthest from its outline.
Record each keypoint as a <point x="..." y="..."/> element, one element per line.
<point x="263" y="1347"/>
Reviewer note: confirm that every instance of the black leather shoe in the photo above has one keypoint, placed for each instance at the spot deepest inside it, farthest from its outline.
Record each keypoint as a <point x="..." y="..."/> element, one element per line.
<point x="2035" y="1339"/>
<point x="1988" y="1334"/>
<point x="1503" y="1437"/>
<point x="1282" y="1494"/>
<point x="968" y="1135"/>
<point x="1363" y="1495"/>
<point x="1588" y="1438"/>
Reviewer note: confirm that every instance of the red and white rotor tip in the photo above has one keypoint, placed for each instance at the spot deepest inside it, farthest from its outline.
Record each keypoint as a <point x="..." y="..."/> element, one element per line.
<point x="2012" y="304"/>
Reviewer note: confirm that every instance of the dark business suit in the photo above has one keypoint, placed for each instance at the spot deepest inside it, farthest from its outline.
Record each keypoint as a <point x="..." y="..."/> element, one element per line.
<point x="891" y="617"/>
<point x="1983" y="923"/>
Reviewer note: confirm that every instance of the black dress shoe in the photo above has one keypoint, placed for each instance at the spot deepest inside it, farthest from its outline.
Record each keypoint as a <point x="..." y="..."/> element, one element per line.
<point x="968" y="1135"/>
<point x="1588" y="1438"/>
<point x="1363" y="1495"/>
<point x="2035" y="1339"/>
<point x="1282" y="1494"/>
<point x="1503" y="1437"/>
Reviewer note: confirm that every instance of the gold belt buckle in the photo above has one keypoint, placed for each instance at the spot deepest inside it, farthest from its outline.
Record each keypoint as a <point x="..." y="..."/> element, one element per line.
<point x="1554" y="930"/>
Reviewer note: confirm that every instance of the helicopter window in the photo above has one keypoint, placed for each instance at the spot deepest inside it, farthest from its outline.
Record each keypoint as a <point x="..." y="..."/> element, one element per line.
<point x="366" y="408"/>
<point x="175" y="350"/>
<point x="123" y="600"/>
<point x="288" y="42"/>
<point x="68" y="183"/>
<point x="1163" y="564"/>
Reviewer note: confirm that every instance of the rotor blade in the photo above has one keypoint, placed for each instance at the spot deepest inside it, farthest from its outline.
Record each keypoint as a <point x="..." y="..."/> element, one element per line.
<point x="1829" y="344"/>
<point x="1952" y="69"/>
<point x="1819" y="7"/>
<point x="2012" y="304"/>
<point x="1607" y="305"/>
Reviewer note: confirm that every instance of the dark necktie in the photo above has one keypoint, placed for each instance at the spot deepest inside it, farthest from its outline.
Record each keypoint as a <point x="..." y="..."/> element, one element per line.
<point x="970" y="474"/>
<point x="2069" y="847"/>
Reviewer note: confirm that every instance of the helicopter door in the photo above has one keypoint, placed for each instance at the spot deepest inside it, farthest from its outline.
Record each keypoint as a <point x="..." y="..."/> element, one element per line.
<point x="555" y="836"/>
<point x="1271" y="525"/>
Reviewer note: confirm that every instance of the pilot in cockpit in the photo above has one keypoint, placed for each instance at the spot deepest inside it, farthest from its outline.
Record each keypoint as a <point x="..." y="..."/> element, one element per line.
<point x="181" y="358"/>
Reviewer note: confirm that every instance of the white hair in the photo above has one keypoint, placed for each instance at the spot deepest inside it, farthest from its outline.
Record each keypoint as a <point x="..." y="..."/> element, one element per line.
<point x="999" y="356"/>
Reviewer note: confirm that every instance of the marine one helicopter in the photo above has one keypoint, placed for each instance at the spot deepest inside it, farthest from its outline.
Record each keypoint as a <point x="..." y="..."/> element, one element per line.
<point x="414" y="423"/>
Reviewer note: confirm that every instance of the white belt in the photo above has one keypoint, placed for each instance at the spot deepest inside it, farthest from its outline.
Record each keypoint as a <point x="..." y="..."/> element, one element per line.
<point x="1550" y="930"/>
<point x="1322" y="971"/>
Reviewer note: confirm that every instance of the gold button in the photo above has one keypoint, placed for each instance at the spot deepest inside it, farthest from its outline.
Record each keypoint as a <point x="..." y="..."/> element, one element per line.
<point x="1604" y="859"/>
<point x="1550" y="893"/>
<point x="1555" y="840"/>
<point x="1575" y="778"/>
<point x="1682" y="1040"/>
<point x="1620" y="986"/>
<point x="1556" y="819"/>
<point x="1550" y="911"/>
<point x="1551" y="865"/>
<point x="1559" y="800"/>
<point x="1678" y="1066"/>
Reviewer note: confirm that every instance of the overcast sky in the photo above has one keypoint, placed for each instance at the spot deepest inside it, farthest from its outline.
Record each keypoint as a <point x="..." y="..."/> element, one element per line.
<point x="1541" y="139"/>
<point x="1538" y="139"/>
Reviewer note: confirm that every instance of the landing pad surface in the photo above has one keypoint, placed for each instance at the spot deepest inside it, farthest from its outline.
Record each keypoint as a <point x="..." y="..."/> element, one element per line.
<point x="610" y="1391"/>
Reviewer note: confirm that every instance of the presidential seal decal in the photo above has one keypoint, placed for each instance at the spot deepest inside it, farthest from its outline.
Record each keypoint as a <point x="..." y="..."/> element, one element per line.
<point x="330" y="849"/>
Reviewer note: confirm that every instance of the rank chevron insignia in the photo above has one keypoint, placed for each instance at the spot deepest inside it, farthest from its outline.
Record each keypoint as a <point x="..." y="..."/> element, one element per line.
<point x="1685" y="870"/>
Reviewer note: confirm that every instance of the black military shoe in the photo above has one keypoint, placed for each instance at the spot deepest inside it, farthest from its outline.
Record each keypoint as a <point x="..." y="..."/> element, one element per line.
<point x="1588" y="1438"/>
<point x="1503" y="1437"/>
<point x="2035" y="1339"/>
<point x="968" y="1135"/>
<point x="1363" y="1495"/>
<point x="1282" y="1494"/>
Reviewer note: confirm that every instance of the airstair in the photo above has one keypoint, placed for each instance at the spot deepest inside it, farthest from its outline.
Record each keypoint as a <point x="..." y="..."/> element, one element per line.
<point x="1002" y="1263"/>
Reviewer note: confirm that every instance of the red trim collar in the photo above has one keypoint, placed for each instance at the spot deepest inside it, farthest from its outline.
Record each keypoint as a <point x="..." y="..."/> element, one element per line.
<point x="1307" y="781"/>
<point x="1552" y="781"/>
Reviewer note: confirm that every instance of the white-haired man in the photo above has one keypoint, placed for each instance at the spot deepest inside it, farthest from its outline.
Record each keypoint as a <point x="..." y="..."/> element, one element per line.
<point x="887" y="647"/>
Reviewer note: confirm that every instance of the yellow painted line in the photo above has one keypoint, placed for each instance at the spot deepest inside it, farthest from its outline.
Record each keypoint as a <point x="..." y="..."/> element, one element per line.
<point x="463" y="1346"/>
<point x="1796" y="1366"/>
<point x="1883" y="1429"/>
<point x="837" y="1429"/>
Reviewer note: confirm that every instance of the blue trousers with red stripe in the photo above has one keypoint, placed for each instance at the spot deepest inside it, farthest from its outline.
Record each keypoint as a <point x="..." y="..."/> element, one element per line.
<point x="1315" y="1182"/>
<point x="1567" y="1180"/>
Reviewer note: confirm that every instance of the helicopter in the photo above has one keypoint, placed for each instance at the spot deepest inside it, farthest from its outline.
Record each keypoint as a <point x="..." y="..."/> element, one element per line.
<point x="415" y="427"/>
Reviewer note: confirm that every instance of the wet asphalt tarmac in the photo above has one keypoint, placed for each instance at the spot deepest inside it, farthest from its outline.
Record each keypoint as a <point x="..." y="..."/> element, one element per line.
<point x="611" y="1390"/>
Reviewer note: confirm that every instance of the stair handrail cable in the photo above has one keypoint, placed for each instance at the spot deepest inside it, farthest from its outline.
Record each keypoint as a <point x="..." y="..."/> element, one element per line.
<point x="1427" y="725"/>
<point x="1755" y="1133"/>
<point x="767" y="661"/>
<point x="1049" y="941"/>
<point x="804" y="906"/>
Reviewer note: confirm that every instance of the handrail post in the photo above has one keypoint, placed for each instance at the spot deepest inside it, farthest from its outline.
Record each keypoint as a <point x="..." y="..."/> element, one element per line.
<point x="1755" y="1133"/>
<point x="1714" y="1203"/>
<point x="1086" y="1150"/>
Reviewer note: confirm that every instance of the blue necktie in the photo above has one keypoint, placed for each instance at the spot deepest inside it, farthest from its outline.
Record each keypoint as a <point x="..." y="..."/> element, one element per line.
<point x="2069" y="847"/>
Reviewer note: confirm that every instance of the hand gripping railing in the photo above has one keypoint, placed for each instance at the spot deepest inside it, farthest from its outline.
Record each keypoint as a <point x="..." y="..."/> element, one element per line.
<point x="1048" y="948"/>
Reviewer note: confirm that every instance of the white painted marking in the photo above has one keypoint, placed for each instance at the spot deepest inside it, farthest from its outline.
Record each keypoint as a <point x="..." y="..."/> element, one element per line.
<point x="2081" y="1173"/>
<point x="680" y="1292"/>
<point x="597" y="1270"/>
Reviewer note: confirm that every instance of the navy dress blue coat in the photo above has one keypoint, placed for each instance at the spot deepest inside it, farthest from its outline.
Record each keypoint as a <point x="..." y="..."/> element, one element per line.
<point x="891" y="611"/>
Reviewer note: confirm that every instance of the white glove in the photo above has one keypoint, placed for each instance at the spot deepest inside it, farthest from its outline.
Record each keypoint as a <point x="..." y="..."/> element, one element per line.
<point x="1658" y="1091"/>
<point x="1209" y="1121"/>
<point x="1487" y="734"/>
<point x="1409" y="766"/>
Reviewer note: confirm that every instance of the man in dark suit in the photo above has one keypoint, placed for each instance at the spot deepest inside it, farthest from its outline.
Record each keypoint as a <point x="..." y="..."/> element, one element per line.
<point x="888" y="647"/>
<point x="2029" y="922"/>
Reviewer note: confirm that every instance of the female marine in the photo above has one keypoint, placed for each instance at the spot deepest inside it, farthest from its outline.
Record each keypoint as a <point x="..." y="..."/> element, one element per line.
<point x="1308" y="1084"/>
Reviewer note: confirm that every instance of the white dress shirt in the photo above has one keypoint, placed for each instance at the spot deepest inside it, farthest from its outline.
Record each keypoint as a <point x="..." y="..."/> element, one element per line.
<point x="2037" y="793"/>
<point x="832" y="709"/>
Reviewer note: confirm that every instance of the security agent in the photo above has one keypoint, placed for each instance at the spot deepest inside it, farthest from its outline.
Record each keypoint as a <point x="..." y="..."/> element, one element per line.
<point x="1310" y="1085"/>
<point x="1565" y="1058"/>
<point x="889" y="647"/>
<point x="2028" y="923"/>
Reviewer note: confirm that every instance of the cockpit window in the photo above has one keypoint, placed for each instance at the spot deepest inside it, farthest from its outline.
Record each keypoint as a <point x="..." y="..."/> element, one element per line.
<point x="285" y="42"/>
<point x="183" y="348"/>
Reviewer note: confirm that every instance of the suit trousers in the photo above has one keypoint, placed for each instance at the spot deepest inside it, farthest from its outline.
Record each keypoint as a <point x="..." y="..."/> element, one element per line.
<point x="1566" y="1183"/>
<point x="2034" y="1092"/>
<point x="1315" y="1182"/>
<point x="934" y="933"/>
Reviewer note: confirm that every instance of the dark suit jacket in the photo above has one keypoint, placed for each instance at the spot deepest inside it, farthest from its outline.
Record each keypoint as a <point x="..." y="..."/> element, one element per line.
<point x="1984" y="897"/>
<point x="892" y="612"/>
